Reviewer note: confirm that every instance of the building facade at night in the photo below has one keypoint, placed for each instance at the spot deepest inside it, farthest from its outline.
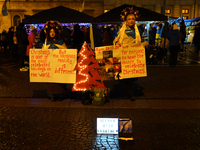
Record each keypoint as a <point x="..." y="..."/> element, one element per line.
<point x="19" y="9"/>
<point x="173" y="8"/>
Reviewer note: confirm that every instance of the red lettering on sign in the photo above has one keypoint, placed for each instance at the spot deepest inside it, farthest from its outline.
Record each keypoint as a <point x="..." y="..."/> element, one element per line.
<point x="47" y="74"/>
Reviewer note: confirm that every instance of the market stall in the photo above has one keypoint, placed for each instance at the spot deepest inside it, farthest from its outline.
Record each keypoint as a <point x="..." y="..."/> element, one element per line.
<point x="66" y="16"/>
<point x="190" y="28"/>
<point x="113" y="16"/>
<point x="61" y="14"/>
<point x="145" y="18"/>
<point x="145" y="15"/>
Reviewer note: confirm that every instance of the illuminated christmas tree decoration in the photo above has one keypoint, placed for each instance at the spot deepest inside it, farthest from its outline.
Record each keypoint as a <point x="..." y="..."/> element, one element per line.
<point x="87" y="76"/>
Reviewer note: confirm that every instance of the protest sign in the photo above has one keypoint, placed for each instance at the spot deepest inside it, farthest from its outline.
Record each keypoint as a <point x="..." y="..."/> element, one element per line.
<point x="126" y="61"/>
<point x="133" y="61"/>
<point x="52" y="65"/>
<point x="107" y="51"/>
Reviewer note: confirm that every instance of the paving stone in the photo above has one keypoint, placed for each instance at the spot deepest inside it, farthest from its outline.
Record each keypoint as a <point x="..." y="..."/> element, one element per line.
<point x="158" y="129"/>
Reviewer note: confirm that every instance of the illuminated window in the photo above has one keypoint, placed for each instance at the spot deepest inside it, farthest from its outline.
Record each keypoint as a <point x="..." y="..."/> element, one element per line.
<point x="185" y="11"/>
<point x="16" y="20"/>
<point x="185" y="17"/>
<point x="168" y="11"/>
<point x="106" y="10"/>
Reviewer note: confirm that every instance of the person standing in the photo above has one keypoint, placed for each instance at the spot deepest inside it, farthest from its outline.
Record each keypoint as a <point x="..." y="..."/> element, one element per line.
<point x="183" y="32"/>
<point x="31" y="39"/>
<point x="107" y="37"/>
<point x="99" y="36"/>
<point x="174" y="44"/>
<point x="196" y="38"/>
<point x="77" y="37"/>
<point x="66" y="37"/>
<point x="4" y="40"/>
<point x="53" y="41"/>
<point x="22" y="40"/>
<point x="129" y="34"/>
<point x="10" y="40"/>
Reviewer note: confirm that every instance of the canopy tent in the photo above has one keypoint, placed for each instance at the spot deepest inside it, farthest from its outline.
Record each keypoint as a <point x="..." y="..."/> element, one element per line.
<point x="61" y="14"/>
<point x="145" y="15"/>
<point x="113" y="16"/>
<point x="190" y="22"/>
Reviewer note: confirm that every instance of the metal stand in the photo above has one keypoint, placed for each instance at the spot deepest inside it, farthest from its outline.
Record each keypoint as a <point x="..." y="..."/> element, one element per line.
<point x="186" y="49"/>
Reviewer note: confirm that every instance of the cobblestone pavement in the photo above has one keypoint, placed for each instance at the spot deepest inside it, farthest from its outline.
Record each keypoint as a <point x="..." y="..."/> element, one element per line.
<point x="157" y="126"/>
<point x="70" y="129"/>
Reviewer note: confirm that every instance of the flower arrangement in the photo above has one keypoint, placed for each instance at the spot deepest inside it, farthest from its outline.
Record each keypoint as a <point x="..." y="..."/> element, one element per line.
<point x="127" y="11"/>
<point x="52" y="24"/>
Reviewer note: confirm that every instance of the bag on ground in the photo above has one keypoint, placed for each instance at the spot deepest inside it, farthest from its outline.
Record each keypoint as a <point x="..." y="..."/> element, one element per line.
<point x="100" y="96"/>
<point x="87" y="97"/>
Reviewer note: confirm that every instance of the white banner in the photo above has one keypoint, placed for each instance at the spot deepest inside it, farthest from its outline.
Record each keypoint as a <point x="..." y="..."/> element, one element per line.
<point x="52" y="65"/>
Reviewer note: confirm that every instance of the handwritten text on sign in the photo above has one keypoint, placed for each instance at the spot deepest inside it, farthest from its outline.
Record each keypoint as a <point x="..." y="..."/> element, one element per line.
<point x="99" y="51"/>
<point x="52" y="65"/>
<point x="133" y="61"/>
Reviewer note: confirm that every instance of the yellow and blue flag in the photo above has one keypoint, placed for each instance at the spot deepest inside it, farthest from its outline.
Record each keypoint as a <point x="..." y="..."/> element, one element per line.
<point x="4" y="8"/>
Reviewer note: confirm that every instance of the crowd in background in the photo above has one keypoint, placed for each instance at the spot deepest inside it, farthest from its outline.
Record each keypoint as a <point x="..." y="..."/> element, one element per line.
<point x="17" y="42"/>
<point x="159" y="34"/>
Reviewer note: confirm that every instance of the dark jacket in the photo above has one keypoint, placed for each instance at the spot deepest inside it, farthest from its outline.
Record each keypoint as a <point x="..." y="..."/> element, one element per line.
<point x="196" y="38"/>
<point x="22" y="37"/>
<point x="174" y="37"/>
<point x="107" y="38"/>
<point x="10" y="37"/>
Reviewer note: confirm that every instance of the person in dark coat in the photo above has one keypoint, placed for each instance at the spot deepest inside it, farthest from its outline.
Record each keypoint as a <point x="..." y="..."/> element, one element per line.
<point x="4" y="40"/>
<point x="174" y="37"/>
<point x="56" y="91"/>
<point x="99" y="36"/>
<point x="10" y="40"/>
<point x="42" y="35"/>
<point x="77" y="37"/>
<point x="183" y="32"/>
<point x="66" y="37"/>
<point x="151" y="36"/>
<point x="107" y="37"/>
<point x="22" y="40"/>
<point x="196" y="38"/>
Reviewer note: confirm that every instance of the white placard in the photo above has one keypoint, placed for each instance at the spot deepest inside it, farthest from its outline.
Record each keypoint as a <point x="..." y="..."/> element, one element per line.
<point x="107" y="125"/>
<point x="52" y="65"/>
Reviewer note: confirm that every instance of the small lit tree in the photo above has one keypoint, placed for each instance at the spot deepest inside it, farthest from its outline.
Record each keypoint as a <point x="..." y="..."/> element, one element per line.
<point x="87" y="76"/>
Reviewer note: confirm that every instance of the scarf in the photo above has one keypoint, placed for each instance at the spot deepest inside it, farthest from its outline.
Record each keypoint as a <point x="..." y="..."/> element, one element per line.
<point x="120" y="36"/>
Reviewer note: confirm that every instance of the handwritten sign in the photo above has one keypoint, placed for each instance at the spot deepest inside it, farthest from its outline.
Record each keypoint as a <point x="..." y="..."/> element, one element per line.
<point x="133" y="61"/>
<point x="52" y="65"/>
<point x="126" y="61"/>
<point x="99" y="51"/>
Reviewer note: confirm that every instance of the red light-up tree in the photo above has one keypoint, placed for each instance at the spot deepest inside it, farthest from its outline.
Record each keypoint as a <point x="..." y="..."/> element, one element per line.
<point x="87" y="76"/>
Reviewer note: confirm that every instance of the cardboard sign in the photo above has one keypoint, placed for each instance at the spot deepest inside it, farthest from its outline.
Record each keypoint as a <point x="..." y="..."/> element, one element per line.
<point x="126" y="61"/>
<point x="133" y="61"/>
<point x="52" y="65"/>
<point x="103" y="52"/>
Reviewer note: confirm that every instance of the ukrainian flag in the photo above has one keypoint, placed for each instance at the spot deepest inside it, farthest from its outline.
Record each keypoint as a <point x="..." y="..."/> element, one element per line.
<point x="4" y="8"/>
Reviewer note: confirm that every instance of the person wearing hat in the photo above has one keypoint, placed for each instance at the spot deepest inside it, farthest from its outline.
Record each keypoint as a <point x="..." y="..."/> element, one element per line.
<point x="174" y="37"/>
<point x="129" y="34"/>
<point x="52" y="30"/>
